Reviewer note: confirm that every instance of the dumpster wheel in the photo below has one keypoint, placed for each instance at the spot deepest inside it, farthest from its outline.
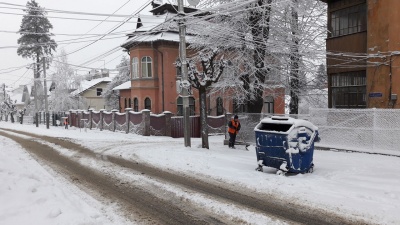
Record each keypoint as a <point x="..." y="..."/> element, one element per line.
<point x="281" y="172"/>
<point x="311" y="169"/>
<point x="260" y="168"/>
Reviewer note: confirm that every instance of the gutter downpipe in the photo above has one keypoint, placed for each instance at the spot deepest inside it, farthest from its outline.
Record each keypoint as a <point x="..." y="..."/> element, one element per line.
<point x="162" y="75"/>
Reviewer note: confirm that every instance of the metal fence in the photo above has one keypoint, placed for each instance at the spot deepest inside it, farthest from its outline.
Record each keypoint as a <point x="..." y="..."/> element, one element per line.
<point x="369" y="130"/>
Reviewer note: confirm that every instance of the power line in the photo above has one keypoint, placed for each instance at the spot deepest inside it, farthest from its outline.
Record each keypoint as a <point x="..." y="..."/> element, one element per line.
<point x="65" y="18"/>
<point x="106" y="18"/>
<point x="137" y="11"/>
<point x="71" y="41"/>
<point x="64" y="11"/>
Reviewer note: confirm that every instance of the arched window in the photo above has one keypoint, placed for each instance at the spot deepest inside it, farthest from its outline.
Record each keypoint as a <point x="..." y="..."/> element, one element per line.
<point x="125" y="103"/>
<point x="135" y="105"/>
<point x="179" y="104"/>
<point x="269" y="104"/>
<point x="130" y="103"/>
<point x="146" y="67"/>
<point x="147" y="103"/>
<point x="135" y="68"/>
<point x="220" y="106"/>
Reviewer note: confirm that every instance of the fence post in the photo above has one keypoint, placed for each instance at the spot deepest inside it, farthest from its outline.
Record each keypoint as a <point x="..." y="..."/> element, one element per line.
<point x="146" y="121"/>
<point x="113" y="118"/>
<point x="101" y="118"/>
<point x="127" y="110"/>
<point x="69" y="117"/>
<point x="81" y="117"/>
<point x="90" y="118"/>
<point x="168" y="125"/>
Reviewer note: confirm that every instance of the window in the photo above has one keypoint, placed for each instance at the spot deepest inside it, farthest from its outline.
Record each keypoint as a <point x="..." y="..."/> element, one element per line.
<point x="99" y="91"/>
<point x="238" y="107"/>
<point x="146" y="67"/>
<point x="130" y="103"/>
<point x="147" y="103"/>
<point x="220" y="106"/>
<point x="269" y="104"/>
<point x="349" y="90"/>
<point x="179" y="103"/>
<point x="348" y="20"/>
<point x="135" y="105"/>
<point x="125" y="104"/>
<point x="135" y="68"/>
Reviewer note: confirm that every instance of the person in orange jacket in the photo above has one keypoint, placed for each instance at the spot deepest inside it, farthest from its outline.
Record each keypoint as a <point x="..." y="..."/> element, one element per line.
<point x="66" y="123"/>
<point x="233" y="130"/>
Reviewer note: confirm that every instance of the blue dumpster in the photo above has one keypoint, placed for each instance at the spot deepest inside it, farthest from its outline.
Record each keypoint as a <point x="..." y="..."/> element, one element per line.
<point x="286" y="144"/>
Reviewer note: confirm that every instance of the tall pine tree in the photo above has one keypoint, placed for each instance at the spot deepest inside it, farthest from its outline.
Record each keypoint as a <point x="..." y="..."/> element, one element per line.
<point x="35" y="41"/>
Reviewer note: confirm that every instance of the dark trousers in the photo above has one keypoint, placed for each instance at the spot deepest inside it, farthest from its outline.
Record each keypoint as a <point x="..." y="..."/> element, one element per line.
<point x="232" y="138"/>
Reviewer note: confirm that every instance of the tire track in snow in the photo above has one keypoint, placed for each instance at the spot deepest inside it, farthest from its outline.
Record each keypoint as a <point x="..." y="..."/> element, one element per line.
<point x="266" y="204"/>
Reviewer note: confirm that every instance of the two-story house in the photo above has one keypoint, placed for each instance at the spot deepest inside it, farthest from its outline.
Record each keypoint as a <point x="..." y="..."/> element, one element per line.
<point x="153" y="53"/>
<point x="89" y="93"/>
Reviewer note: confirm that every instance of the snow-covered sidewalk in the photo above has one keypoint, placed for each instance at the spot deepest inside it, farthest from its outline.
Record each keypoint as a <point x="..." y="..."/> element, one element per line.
<point x="352" y="184"/>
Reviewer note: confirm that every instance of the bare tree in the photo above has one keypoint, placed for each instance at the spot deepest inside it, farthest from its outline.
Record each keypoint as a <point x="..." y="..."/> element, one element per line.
<point x="62" y="84"/>
<point x="278" y="41"/>
<point x="212" y="70"/>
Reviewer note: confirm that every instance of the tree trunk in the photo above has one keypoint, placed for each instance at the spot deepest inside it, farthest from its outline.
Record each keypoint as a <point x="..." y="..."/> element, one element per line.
<point x="294" y="62"/>
<point x="203" y="117"/>
<point x="259" y="21"/>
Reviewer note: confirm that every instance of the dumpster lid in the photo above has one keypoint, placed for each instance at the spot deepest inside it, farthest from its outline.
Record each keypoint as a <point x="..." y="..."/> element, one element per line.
<point x="283" y="124"/>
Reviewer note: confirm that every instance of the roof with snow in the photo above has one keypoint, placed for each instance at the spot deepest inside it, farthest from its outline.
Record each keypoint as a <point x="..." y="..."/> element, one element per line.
<point x="157" y="27"/>
<point x="151" y="28"/>
<point x="86" y="84"/>
<point x="148" y="22"/>
<point x="123" y="86"/>
<point x="17" y="95"/>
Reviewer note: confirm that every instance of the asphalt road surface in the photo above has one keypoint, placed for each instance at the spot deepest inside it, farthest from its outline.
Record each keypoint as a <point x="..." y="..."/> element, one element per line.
<point x="143" y="202"/>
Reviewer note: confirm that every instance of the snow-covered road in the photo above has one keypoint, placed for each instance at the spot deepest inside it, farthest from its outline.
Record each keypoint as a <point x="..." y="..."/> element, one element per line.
<point x="351" y="184"/>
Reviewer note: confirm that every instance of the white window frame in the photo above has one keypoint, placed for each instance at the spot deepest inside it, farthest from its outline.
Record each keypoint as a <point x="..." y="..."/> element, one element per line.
<point x="146" y="64"/>
<point x="135" y="68"/>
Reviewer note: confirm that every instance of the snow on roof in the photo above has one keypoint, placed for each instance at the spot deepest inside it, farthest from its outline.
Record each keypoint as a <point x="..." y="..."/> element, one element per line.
<point x="16" y="98"/>
<point x="86" y="84"/>
<point x="154" y="28"/>
<point x="162" y="36"/>
<point x="151" y="21"/>
<point x="123" y="86"/>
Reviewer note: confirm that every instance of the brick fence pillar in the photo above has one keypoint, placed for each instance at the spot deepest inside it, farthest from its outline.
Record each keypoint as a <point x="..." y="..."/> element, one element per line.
<point x="146" y="121"/>
<point x="127" y="110"/>
<point x="168" y="125"/>
<point x="101" y="119"/>
<point x="113" y="119"/>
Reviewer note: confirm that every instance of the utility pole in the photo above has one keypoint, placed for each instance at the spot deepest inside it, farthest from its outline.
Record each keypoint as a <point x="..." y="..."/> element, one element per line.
<point x="35" y="93"/>
<point x="185" y="82"/>
<point x="45" y="93"/>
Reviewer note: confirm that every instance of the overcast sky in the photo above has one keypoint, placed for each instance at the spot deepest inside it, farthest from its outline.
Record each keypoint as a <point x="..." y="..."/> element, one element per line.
<point x="9" y="57"/>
